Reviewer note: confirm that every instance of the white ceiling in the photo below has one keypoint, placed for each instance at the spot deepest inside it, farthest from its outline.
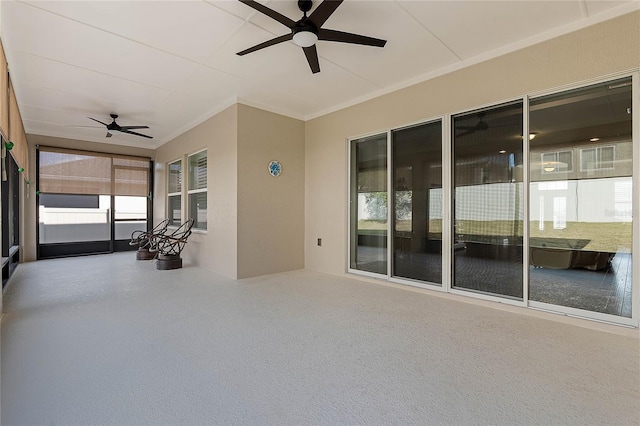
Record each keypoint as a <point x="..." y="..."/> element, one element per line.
<point x="172" y="64"/>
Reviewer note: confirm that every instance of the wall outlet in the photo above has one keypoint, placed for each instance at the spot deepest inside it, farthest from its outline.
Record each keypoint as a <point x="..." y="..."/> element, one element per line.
<point x="319" y="241"/>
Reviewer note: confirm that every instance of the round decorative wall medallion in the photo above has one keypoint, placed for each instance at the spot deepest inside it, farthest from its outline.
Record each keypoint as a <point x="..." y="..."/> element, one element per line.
<point x="275" y="168"/>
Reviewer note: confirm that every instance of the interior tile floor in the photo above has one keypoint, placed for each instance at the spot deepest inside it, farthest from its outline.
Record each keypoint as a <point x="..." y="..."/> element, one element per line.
<point x="606" y="291"/>
<point x="110" y="340"/>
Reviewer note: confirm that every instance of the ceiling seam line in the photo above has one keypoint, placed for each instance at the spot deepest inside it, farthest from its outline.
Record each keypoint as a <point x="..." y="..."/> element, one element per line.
<point x="584" y="8"/>
<point x="86" y="69"/>
<point x="446" y="46"/>
<point x="193" y="61"/>
<point x="353" y="73"/>
<point x="168" y="91"/>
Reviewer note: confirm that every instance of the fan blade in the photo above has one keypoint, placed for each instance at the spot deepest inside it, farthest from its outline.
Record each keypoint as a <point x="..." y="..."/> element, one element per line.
<point x="333" y="35"/>
<point x="109" y="134"/>
<point x="465" y="133"/>
<point x="133" y="127"/>
<point x="312" y="57"/>
<point x="104" y="124"/>
<point x="135" y="133"/>
<point x="289" y="23"/>
<point x="324" y="11"/>
<point x="271" y="42"/>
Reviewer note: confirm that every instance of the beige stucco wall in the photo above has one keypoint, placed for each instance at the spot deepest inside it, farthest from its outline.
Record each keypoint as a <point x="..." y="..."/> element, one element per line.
<point x="256" y="221"/>
<point x="28" y="205"/>
<point x="270" y="210"/>
<point x="215" y="249"/>
<point x="595" y="52"/>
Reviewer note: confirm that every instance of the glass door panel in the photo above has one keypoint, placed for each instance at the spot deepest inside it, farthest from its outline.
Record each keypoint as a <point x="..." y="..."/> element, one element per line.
<point x="73" y="224"/>
<point x="73" y="218"/>
<point x="488" y="201"/>
<point x="417" y="206"/>
<point x="130" y="215"/>
<point x="369" y="201"/>
<point x="581" y="199"/>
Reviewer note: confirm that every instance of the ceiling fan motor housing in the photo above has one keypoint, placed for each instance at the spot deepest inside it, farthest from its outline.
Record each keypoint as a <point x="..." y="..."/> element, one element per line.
<point x="304" y="25"/>
<point x="305" y="5"/>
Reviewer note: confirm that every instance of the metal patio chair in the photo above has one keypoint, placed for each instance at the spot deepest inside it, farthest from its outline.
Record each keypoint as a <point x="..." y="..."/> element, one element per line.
<point x="144" y="240"/>
<point x="168" y="246"/>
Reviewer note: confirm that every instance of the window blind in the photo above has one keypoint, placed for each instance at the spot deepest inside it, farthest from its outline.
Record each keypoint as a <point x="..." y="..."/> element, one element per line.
<point x="201" y="173"/>
<point x="64" y="171"/>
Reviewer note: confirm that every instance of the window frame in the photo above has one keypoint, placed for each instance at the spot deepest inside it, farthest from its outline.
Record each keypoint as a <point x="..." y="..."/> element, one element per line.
<point x="556" y="155"/>
<point x="196" y="191"/>
<point x="598" y="163"/>
<point x="174" y="194"/>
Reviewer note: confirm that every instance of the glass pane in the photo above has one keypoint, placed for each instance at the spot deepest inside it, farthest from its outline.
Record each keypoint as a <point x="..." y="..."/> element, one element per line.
<point x="606" y="157"/>
<point x="198" y="170"/>
<point x="175" y="177"/>
<point x="174" y="210"/>
<point x="588" y="159"/>
<point x="581" y="220"/>
<point x="130" y="215"/>
<point x="488" y="201"/>
<point x="566" y="157"/>
<point x="198" y="209"/>
<point x="369" y="204"/>
<point x="74" y="218"/>
<point x="417" y="194"/>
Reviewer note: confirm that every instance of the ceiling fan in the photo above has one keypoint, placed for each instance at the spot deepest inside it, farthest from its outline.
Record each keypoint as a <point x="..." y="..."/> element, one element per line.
<point x="306" y="31"/>
<point x="115" y="127"/>
<point x="480" y="125"/>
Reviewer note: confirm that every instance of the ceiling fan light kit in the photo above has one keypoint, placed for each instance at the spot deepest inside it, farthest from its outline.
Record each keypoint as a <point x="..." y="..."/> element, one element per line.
<point x="305" y="38"/>
<point x="308" y="30"/>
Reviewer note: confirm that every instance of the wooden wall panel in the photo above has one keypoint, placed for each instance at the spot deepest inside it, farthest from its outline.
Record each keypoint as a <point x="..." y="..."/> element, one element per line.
<point x="17" y="134"/>
<point x="4" y="94"/>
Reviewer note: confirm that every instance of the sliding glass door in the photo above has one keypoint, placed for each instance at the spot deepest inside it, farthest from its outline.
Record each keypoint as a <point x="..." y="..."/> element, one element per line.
<point x="581" y="191"/>
<point x="488" y="201"/>
<point x="536" y="208"/>
<point x="89" y="202"/>
<point x="369" y="204"/>
<point x="417" y="202"/>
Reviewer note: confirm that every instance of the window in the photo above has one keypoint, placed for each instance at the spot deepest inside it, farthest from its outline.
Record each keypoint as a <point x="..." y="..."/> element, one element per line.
<point x="174" y="193"/>
<point x="599" y="158"/>
<point x="197" y="193"/>
<point x="10" y="215"/>
<point x="557" y="162"/>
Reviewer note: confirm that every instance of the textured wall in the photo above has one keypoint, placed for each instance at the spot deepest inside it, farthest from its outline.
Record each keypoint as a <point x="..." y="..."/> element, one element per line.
<point x="216" y="249"/>
<point x="270" y="209"/>
<point x="595" y="52"/>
